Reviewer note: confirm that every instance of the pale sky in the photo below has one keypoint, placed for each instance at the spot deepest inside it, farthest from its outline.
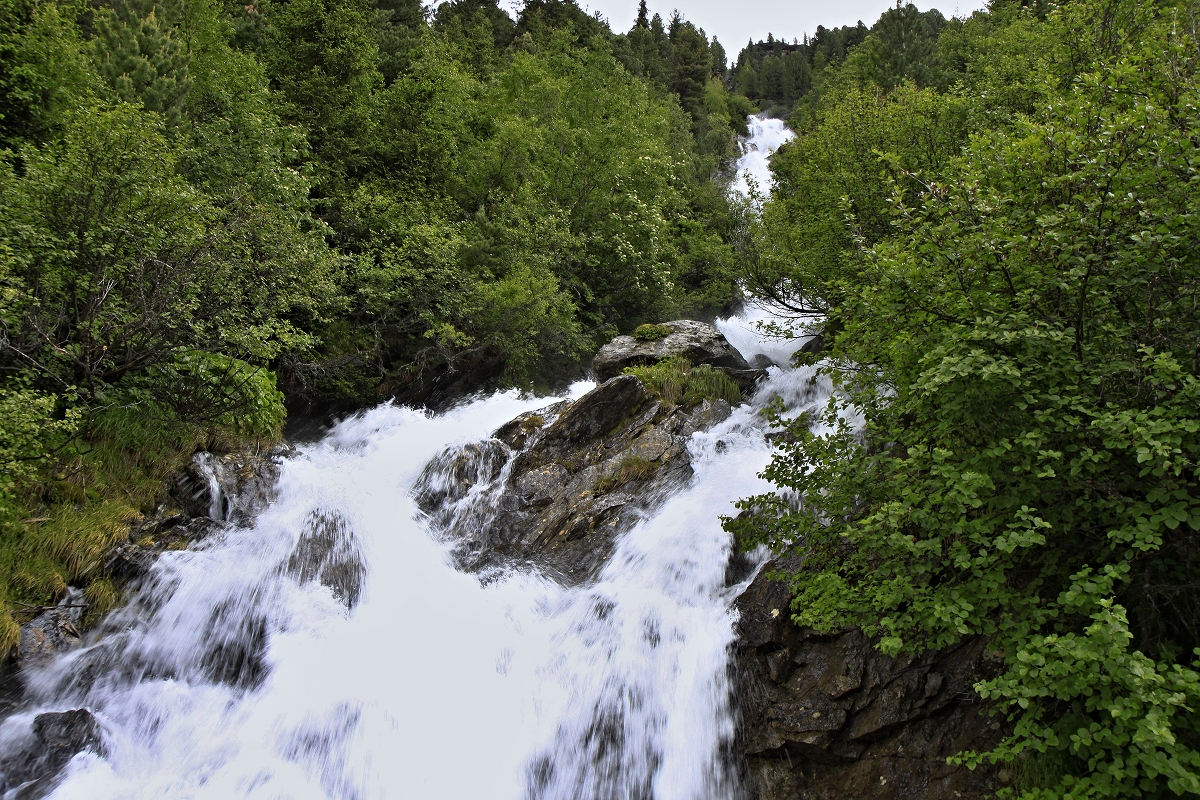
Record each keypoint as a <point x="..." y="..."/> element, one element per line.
<point x="735" y="22"/>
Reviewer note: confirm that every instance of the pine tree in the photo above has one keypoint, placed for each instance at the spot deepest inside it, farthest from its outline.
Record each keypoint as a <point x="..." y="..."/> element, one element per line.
<point x="398" y="25"/>
<point x="143" y="60"/>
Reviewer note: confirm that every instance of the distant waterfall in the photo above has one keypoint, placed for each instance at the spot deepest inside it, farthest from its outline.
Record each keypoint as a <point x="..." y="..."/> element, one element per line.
<point x="754" y="165"/>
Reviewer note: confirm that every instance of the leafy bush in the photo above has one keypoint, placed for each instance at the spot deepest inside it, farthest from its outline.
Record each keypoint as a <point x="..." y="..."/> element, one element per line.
<point x="651" y="332"/>
<point x="1022" y="348"/>
<point x="676" y="382"/>
<point x="31" y="430"/>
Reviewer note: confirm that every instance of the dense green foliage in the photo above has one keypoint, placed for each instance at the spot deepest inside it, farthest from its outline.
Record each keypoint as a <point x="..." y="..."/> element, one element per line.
<point x="208" y="210"/>
<point x="1010" y="295"/>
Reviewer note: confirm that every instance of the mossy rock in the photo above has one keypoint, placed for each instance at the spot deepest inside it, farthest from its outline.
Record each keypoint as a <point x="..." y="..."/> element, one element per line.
<point x="651" y="332"/>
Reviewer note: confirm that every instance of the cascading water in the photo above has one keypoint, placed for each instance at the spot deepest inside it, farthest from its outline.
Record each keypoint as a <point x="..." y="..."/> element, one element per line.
<point x="754" y="165"/>
<point x="331" y="649"/>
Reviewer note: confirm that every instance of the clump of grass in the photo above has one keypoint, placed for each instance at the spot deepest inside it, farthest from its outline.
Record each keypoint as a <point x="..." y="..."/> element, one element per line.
<point x="630" y="468"/>
<point x="676" y="382"/>
<point x="10" y="631"/>
<point x="532" y="423"/>
<point x="651" y="332"/>
<point x="103" y="595"/>
<point x="57" y="526"/>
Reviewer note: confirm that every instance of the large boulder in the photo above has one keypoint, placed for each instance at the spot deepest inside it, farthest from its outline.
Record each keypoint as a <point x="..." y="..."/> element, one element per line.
<point x="562" y="482"/>
<point x="825" y="717"/>
<point x="698" y="342"/>
<point x="32" y="771"/>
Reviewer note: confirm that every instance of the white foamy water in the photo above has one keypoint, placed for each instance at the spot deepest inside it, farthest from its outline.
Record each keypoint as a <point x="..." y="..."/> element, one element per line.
<point x="744" y="332"/>
<point x="754" y="165"/>
<point x="235" y="674"/>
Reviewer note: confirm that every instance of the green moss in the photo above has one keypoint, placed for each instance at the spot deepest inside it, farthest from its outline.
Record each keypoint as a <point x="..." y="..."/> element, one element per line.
<point x="676" y="382"/>
<point x="650" y="332"/>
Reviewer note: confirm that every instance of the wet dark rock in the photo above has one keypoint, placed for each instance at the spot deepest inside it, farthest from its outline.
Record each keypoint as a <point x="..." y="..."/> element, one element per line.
<point x="56" y="737"/>
<point x="328" y="552"/>
<point x="832" y="717"/>
<point x="244" y="484"/>
<point x="230" y="487"/>
<point x="53" y="631"/>
<point x="814" y="345"/>
<point x="762" y="361"/>
<point x="698" y="342"/>
<point x="555" y="487"/>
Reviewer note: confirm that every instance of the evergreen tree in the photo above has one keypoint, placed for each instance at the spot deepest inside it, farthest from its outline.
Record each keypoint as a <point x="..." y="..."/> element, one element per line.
<point x="142" y="59"/>
<point x="691" y="64"/>
<point x="720" y="61"/>
<point x="324" y="58"/>
<point x="398" y="26"/>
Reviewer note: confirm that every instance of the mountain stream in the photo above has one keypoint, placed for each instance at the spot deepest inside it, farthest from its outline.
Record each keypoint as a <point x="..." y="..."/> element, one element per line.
<point x="234" y="673"/>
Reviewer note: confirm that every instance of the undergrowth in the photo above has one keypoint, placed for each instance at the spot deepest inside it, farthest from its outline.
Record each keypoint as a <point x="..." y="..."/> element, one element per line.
<point x="676" y="382"/>
<point x="75" y="491"/>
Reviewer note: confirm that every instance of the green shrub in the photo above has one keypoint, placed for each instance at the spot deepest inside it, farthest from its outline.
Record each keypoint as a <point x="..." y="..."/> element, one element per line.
<point x="676" y="382"/>
<point x="650" y="332"/>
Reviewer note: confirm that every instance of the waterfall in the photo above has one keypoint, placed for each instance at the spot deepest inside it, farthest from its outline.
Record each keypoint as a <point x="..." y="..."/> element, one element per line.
<point x="331" y="649"/>
<point x="754" y="165"/>
<point x="328" y="647"/>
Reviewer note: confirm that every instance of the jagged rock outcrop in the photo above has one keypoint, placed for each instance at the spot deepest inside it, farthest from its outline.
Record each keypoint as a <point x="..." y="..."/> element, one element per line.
<point x="825" y="717"/>
<point x="563" y="481"/>
<point x="32" y="771"/>
<point x="698" y="342"/>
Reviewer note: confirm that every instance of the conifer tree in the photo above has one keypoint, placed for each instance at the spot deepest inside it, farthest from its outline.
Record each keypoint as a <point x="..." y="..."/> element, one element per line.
<point x="143" y="60"/>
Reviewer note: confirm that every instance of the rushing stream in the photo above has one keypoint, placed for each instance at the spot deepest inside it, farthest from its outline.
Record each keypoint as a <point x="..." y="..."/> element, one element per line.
<point x="234" y="673"/>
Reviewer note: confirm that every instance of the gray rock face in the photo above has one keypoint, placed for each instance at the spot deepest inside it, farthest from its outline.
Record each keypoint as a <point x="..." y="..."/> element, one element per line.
<point x="328" y="553"/>
<point x="832" y="717"/>
<point x="562" y="482"/>
<point x="56" y="738"/>
<point x="698" y="342"/>
<point x="51" y="632"/>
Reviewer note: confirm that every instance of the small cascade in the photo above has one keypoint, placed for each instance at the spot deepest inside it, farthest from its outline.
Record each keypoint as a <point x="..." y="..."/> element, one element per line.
<point x="212" y="471"/>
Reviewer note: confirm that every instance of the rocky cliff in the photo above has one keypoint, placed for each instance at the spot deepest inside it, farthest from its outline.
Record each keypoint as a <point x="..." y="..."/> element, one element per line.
<point x="826" y="717"/>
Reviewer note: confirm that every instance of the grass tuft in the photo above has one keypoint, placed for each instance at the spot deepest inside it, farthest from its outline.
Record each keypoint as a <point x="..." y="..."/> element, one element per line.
<point x="630" y="468"/>
<point x="676" y="382"/>
<point x="650" y="332"/>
